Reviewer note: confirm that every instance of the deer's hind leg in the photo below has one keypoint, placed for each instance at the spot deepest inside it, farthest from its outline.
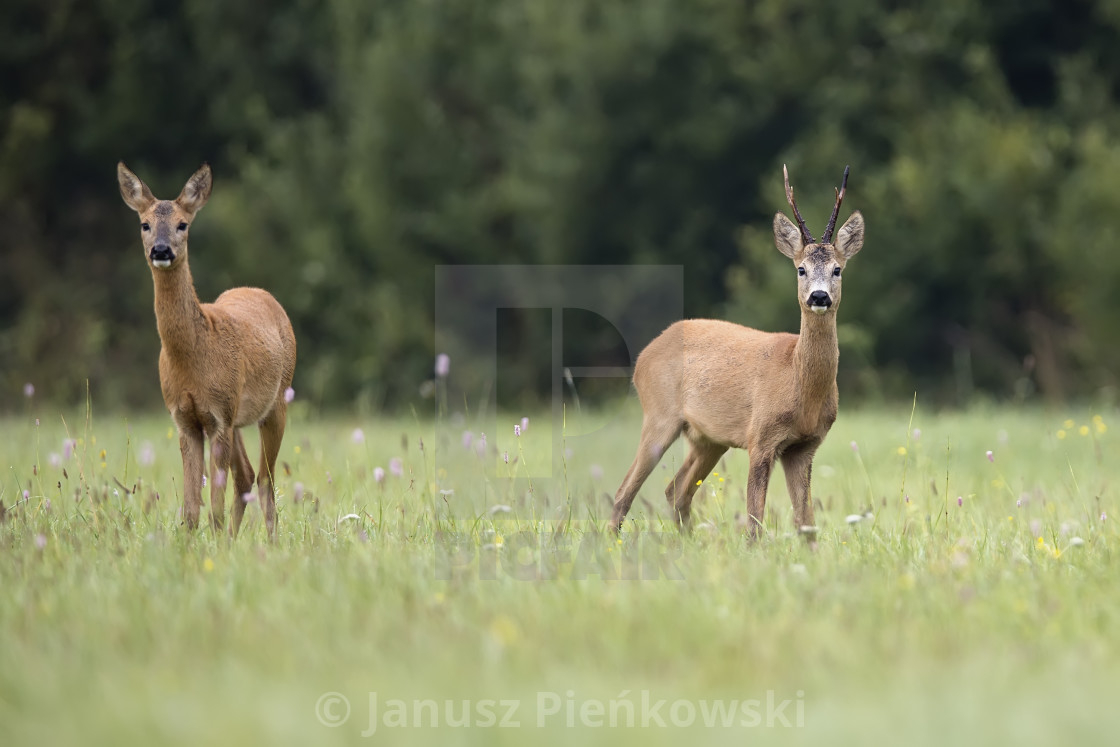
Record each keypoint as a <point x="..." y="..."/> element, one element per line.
<point x="677" y="487"/>
<point x="242" y="481"/>
<point x="702" y="459"/>
<point x="654" y="441"/>
<point x="272" y="434"/>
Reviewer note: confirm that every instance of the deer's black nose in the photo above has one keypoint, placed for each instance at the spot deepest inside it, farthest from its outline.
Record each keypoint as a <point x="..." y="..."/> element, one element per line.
<point x="161" y="253"/>
<point x="819" y="298"/>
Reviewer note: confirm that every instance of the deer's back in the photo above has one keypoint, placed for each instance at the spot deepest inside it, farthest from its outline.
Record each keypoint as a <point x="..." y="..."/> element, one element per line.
<point x="719" y="378"/>
<point x="258" y="322"/>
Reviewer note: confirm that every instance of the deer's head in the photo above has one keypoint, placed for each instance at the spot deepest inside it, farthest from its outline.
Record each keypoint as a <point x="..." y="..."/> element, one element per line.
<point x="820" y="264"/>
<point x="164" y="224"/>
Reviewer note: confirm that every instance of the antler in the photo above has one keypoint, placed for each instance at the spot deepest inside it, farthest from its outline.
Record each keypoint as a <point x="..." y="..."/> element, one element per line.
<point x="827" y="238"/>
<point x="806" y="237"/>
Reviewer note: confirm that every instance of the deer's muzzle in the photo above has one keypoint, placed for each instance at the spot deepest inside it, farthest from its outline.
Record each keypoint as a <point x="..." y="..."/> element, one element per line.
<point x="819" y="301"/>
<point x="161" y="255"/>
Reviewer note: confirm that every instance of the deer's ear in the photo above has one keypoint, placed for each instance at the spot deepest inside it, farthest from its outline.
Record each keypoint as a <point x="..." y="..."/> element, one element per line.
<point x="197" y="190"/>
<point x="135" y="192"/>
<point x="850" y="238"/>
<point x="787" y="236"/>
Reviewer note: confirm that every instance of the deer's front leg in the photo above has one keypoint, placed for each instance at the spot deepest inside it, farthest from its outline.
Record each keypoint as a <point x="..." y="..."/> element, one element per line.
<point x="221" y="453"/>
<point x="758" y="480"/>
<point x="191" y="445"/>
<point x="798" y="464"/>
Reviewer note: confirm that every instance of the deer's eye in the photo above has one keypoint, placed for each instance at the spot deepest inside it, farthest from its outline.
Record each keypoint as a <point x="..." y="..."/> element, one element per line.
<point x="182" y="226"/>
<point x="835" y="272"/>
<point x="145" y="226"/>
<point x="800" y="272"/>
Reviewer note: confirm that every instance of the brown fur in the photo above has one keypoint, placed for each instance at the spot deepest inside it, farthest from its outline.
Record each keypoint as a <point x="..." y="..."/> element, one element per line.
<point x="725" y="386"/>
<point x="222" y="366"/>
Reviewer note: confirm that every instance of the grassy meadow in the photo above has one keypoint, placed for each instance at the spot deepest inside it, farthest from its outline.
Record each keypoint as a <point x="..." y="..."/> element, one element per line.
<point x="964" y="588"/>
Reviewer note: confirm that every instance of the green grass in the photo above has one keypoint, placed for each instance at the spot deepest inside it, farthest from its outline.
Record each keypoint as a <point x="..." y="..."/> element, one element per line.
<point x="928" y="622"/>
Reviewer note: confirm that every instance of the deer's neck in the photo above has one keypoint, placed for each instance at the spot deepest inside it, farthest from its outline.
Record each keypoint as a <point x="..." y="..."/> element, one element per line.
<point x="179" y="315"/>
<point x="817" y="355"/>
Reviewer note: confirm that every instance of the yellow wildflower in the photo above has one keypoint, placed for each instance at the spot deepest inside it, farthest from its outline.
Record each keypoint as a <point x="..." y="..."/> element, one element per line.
<point x="504" y="630"/>
<point x="1055" y="552"/>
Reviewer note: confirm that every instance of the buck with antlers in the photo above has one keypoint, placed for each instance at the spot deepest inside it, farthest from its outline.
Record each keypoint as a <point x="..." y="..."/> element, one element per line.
<point x="724" y="385"/>
<point x="222" y="365"/>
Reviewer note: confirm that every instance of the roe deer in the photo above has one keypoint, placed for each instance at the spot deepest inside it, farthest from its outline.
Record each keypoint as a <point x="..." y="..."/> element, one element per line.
<point x="724" y="385"/>
<point x="222" y="365"/>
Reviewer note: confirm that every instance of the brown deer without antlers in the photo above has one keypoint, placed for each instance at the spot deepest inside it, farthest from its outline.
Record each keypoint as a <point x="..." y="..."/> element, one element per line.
<point x="223" y="365"/>
<point x="724" y="385"/>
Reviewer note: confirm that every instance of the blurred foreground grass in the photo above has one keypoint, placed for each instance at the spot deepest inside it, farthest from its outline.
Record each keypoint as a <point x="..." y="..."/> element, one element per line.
<point x="974" y="601"/>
